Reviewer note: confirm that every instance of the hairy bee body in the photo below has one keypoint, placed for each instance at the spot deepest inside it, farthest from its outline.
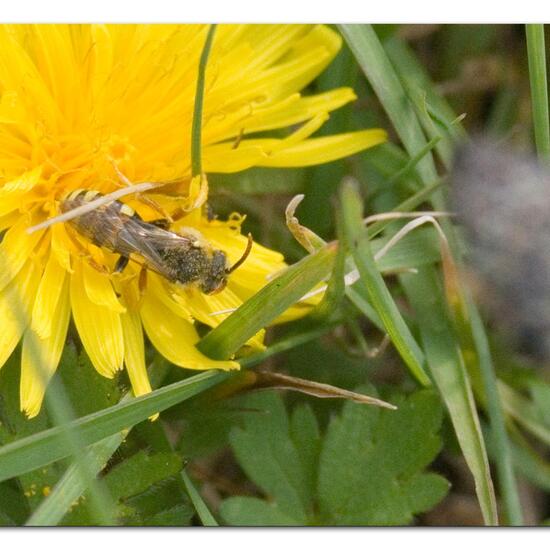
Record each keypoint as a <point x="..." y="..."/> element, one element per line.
<point x="182" y="258"/>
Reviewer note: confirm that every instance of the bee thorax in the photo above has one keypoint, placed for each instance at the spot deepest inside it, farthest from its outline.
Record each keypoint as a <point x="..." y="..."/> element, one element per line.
<point x="197" y="265"/>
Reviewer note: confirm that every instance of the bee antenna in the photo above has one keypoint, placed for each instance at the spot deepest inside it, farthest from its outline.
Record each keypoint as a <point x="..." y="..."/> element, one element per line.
<point x="243" y="258"/>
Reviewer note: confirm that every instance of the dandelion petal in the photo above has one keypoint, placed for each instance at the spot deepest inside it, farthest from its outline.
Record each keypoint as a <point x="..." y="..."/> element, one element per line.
<point x="40" y="356"/>
<point x="99" y="328"/>
<point x="47" y="297"/>
<point x="15" y="305"/>
<point x="175" y="338"/>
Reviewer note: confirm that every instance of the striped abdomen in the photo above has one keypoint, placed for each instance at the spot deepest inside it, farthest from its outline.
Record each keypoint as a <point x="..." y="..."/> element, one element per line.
<point x="103" y="224"/>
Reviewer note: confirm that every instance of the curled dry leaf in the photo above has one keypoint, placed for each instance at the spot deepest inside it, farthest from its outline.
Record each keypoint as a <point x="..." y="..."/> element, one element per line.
<point x="275" y="380"/>
<point x="307" y="238"/>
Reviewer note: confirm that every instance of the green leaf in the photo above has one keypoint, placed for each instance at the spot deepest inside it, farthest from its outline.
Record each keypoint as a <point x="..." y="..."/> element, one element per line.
<point x="137" y="473"/>
<point x="371" y="466"/>
<point x="13" y="505"/>
<point x="540" y="392"/>
<point x="304" y="433"/>
<point x="526" y="412"/>
<point x="258" y="181"/>
<point x="367" y="470"/>
<point x="161" y="501"/>
<point x="86" y="389"/>
<point x="47" y="446"/>
<point x="71" y="485"/>
<point x="249" y="511"/>
<point x="177" y="516"/>
<point x="265" y="306"/>
<point x="269" y="457"/>
<point x="131" y="477"/>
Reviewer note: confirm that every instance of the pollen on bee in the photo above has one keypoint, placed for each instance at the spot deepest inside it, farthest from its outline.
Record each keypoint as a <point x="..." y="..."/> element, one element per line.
<point x="125" y="209"/>
<point x="90" y="195"/>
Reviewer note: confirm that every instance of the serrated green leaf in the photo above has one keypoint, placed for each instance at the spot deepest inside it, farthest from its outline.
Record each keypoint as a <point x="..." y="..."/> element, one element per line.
<point x="305" y="434"/>
<point x="140" y="471"/>
<point x="367" y="470"/>
<point x="268" y="456"/>
<point x="177" y="516"/>
<point x="250" y="511"/>
<point x="86" y="389"/>
<point x="131" y="477"/>
<point x="159" y="498"/>
<point x="372" y="462"/>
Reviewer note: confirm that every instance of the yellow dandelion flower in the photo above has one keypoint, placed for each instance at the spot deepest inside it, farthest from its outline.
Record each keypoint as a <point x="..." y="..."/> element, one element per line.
<point x="85" y="106"/>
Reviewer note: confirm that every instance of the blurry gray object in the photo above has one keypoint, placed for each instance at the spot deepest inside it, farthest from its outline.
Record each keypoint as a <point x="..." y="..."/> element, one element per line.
<point x="502" y="199"/>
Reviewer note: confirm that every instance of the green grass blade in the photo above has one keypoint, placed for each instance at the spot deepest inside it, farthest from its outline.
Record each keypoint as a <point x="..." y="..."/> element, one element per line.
<point x="529" y="462"/>
<point x="272" y="300"/>
<point x="29" y="453"/>
<point x="417" y="81"/>
<point x="539" y="88"/>
<point x="523" y="411"/>
<point x="448" y="370"/>
<point x="196" y="127"/>
<point x="202" y="510"/>
<point x="336" y="288"/>
<point x="379" y="295"/>
<point x="70" y="487"/>
<point x="378" y="69"/>
<point x="445" y="362"/>
<point x="503" y="449"/>
<point x="435" y="115"/>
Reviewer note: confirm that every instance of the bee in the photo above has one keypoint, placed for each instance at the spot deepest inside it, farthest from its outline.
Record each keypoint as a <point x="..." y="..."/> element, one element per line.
<point x="185" y="257"/>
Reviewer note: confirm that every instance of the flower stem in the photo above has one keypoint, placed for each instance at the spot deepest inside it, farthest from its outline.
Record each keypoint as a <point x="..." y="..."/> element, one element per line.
<point x="196" y="129"/>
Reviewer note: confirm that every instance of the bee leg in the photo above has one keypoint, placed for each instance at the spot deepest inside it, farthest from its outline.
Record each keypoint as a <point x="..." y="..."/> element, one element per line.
<point x="121" y="263"/>
<point x="142" y="198"/>
<point x="209" y="212"/>
<point x="85" y="254"/>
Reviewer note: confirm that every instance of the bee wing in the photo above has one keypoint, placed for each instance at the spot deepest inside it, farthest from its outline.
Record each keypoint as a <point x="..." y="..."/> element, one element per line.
<point x="148" y="241"/>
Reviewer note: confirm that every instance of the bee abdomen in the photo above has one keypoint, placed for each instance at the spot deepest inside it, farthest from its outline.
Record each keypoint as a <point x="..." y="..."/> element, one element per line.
<point x="100" y="225"/>
<point x="80" y="197"/>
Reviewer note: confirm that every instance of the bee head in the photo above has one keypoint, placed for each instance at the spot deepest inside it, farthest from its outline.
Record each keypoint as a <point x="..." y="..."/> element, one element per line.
<point x="214" y="277"/>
